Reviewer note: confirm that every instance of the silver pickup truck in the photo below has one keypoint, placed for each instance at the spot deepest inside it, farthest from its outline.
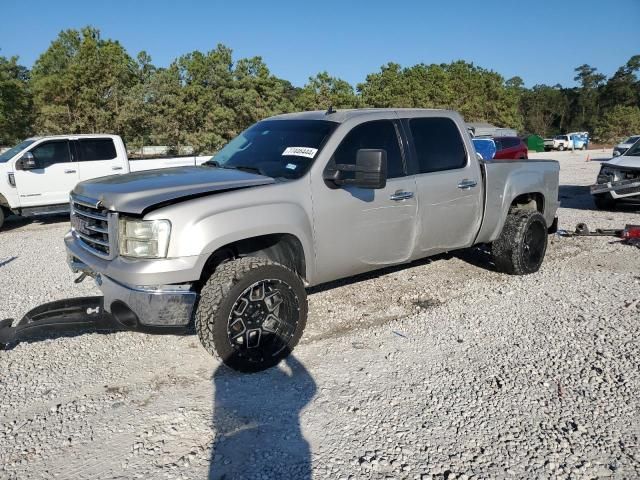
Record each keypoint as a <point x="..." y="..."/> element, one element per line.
<point x="295" y="201"/>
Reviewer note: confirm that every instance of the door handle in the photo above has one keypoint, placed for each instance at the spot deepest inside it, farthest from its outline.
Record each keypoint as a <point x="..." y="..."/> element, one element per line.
<point x="467" y="184"/>
<point x="401" y="195"/>
<point x="69" y="171"/>
<point x="116" y="168"/>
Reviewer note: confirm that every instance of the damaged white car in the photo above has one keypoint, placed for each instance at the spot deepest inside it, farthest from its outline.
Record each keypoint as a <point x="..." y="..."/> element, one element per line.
<point x="618" y="180"/>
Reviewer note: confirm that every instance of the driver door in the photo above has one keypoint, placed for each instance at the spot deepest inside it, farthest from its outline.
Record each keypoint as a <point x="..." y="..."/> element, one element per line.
<point x="359" y="229"/>
<point x="53" y="178"/>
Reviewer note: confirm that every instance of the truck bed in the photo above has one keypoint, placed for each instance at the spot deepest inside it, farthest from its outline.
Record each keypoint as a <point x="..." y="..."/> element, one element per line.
<point x="503" y="178"/>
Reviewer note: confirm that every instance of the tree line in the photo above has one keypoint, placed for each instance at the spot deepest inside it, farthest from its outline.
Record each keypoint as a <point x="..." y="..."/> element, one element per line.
<point x="84" y="83"/>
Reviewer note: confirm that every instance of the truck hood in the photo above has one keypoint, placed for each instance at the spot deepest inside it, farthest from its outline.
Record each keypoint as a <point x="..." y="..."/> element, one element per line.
<point x="138" y="192"/>
<point x="624" y="161"/>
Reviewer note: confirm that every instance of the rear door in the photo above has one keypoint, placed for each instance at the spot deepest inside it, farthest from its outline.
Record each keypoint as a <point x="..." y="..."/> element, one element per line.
<point x="55" y="175"/>
<point x="98" y="157"/>
<point x="448" y="182"/>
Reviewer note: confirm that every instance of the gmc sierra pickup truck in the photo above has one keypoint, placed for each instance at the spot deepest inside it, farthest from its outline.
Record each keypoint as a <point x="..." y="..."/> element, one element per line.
<point x="295" y="201"/>
<point x="37" y="175"/>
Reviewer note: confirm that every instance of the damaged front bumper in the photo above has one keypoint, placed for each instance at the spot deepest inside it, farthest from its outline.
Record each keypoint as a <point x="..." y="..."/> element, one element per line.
<point x="142" y="306"/>
<point x="618" y="189"/>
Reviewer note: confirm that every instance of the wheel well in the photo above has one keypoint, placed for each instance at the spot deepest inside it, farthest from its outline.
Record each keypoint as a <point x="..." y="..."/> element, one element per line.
<point x="529" y="201"/>
<point x="283" y="248"/>
<point x="4" y="203"/>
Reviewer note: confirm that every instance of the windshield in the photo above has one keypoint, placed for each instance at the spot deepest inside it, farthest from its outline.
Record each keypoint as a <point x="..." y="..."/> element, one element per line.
<point x="9" y="154"/>
<point x="633" y="139"/>
<point x="634" y="151"/>
<point x="276" y="148"/>
<point x="560" y="137"/>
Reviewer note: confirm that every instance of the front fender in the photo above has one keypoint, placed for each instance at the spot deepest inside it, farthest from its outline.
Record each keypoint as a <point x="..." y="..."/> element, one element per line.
<point x="202" y="226"/>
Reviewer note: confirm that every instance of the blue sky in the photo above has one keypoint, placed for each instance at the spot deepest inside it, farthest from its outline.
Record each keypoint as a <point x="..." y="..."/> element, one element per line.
<point x="542" y="41"/>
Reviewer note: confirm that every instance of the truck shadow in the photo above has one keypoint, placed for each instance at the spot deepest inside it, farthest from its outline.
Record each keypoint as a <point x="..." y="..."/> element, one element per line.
<point x="576" y="197"/>
<point x="257" y="423"/>
<point x="579" y="197"/>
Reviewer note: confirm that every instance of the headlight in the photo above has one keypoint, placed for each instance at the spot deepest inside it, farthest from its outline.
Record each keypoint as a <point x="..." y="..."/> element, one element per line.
<point x="144" y="238"/>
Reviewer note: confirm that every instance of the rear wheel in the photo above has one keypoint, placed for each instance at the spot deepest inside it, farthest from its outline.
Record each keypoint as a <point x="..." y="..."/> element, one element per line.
<point x="520" y="248"/>
<point x="251" y="313"/>
<point x="604" y="201"/>
<point x="2" y="217"/>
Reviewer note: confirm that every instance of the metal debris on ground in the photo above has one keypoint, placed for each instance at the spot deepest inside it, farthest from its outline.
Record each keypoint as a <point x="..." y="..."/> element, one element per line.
<point x="630" y="234"/>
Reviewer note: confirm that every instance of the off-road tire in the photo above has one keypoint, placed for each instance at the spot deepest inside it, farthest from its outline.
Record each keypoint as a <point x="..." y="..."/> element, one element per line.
<point x="219" y="296"/>
<point x="604" y="201"/>
<point x="520" y="248"/>
<point x="561" y="148"/>
<point x="2" y="217"/>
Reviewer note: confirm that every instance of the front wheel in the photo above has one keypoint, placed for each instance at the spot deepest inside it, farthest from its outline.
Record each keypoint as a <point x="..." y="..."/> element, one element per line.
<point x="2" y="217"/>
<point x="520" y="248"/>
<point x="561" y="148"/>
<point x="251" y="313"/>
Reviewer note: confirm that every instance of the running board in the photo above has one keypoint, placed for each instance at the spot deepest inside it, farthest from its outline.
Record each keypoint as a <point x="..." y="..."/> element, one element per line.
<point x="45" y="210"/>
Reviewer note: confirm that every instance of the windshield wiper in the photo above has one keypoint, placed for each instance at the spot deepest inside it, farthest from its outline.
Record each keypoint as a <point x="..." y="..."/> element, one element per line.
<point x="244" y="168"/>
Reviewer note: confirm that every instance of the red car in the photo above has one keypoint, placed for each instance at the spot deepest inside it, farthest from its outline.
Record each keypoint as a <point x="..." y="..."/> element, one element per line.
<point x="510" y="148"/>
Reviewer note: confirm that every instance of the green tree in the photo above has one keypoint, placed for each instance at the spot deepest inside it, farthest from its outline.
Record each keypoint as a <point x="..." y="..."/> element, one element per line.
<point x="16" y="106"/>
<point x="618" y="123"/>
<point x="544" y="109"/>
<point x="623" y="88"/>
<point x="323" y="91"/>
<point x="386" y="88"/>
<point x="80" y="82"/>
<point x="478" y="94"/>
<point x="588" y="98"/>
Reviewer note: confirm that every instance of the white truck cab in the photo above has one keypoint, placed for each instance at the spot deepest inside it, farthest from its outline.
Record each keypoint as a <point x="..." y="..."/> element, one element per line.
<point x="37" y="175"/>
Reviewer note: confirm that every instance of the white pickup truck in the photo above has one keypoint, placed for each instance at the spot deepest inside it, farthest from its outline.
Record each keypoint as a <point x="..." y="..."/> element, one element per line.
<point x="37" y="175"/>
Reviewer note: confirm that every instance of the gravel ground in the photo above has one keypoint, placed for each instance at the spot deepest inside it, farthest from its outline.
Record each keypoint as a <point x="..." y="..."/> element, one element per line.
<point x="442" y="369"/>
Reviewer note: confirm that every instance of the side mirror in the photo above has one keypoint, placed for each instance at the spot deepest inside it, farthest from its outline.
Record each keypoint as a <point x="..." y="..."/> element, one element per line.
<point x="616" y="153"/>
<point x="26" y="162"/>
<point x="370" y="170"/>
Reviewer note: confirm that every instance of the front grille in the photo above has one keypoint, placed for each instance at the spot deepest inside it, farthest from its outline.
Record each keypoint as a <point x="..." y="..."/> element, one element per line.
<point x="93" y="226"/>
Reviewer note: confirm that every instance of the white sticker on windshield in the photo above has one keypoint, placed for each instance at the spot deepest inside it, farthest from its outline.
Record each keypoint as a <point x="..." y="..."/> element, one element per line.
<point x="300" y="152"/>
<point x="291" y="166"/>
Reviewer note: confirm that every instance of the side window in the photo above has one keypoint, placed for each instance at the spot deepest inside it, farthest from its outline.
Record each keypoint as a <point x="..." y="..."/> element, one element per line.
<point x="91" y="149"/>
<point x="499" y="145"/>
<point x="50" y="153"/>
<point x="514" y="142"/>
<point x="378" y="134"/>
<point x="438" y="144"/>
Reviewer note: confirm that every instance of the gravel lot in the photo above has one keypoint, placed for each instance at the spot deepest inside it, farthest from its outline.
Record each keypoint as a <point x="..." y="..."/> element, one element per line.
<point x="443" y="369"/>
